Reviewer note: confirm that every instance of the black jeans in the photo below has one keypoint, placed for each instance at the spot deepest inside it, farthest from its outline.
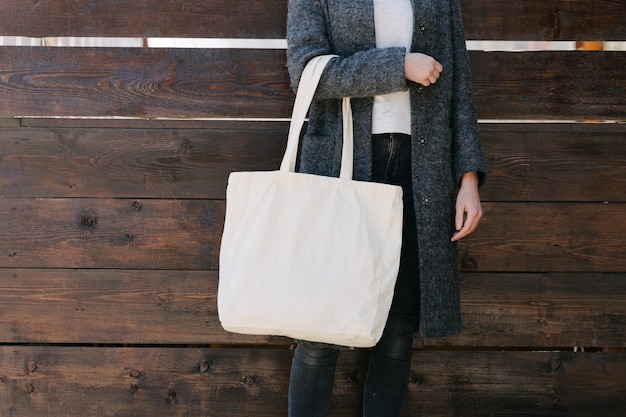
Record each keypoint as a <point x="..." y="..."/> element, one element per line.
<point x="313" y="366"/>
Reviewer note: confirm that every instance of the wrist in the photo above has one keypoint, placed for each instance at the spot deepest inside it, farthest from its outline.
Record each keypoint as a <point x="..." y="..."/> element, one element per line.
<point x="470" y="178"/>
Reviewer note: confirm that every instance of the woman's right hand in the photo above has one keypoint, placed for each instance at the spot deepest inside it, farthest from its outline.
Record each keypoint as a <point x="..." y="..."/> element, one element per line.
<point x="421" y="68"/>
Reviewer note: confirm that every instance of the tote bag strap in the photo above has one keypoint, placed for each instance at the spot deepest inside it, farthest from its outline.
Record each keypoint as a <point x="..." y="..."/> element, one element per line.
<point x="306" y="90"/>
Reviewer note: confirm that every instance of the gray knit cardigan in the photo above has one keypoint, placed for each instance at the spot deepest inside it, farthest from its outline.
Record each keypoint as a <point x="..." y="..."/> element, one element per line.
<point x="445" y="141"/>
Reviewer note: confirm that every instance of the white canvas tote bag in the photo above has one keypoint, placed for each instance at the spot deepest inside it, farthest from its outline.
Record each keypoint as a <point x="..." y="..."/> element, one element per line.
<point x="306" y="256"/>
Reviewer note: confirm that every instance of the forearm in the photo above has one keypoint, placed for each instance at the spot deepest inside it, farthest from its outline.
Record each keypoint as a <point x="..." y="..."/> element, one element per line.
<point x="365" y="73"/>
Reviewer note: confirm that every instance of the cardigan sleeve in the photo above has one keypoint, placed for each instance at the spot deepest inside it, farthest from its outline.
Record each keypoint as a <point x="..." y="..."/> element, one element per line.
<point x="363" y="73"/>
<point x="467" y="153"/>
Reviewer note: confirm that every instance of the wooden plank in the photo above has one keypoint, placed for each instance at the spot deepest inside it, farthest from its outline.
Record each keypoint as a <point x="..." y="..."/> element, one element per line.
<point x="581" y="85"/>
<point x="479" y="384"/>
<point x="219" y="83"/>
<point x="555" y="237"/>
<point x="113" y="306"/>
<point x="9" y="122"/>
<point x="540" y="310"/>
<point x="185" y="234"/>
<point x="143" y="18"/>
<point x="535" y="20"/>
<point x="179" y="307"/>
<point x="125" y="382"/>
<point x="580" y="162"/>
<point x="133" y="163"/>
<point x="142" y="82"/>
<point x="555" y="162"/>
<point x="110" y="233"/>
<point x="136" y="382"/>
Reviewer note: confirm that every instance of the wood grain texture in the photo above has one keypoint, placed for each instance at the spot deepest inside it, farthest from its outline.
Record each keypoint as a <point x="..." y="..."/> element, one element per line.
<point x="150" y="307"/>
<point x="559" y="85"/>
<point x="540" y="311"/>
<point x="142" y="82"/>
<point x="113" y="307"/>
<point x="133" y="163"/>
<point x="184" y="159"/>
<point x="143" y="18"/>
<point x="233" y="83"/>
<point x="110" y="233"/>
<point x="185" y="234"/>
<point x="542" y="237"/>
<point x="534" y="20"/>
<point x="570" y="162"/>
<point x="478" y="384"/>
<point x="137" y="382"/>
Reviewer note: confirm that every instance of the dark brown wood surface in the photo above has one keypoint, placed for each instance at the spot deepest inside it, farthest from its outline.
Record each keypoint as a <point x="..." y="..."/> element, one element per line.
<point x="134" y="163"/>
<point x="143" y="18"/>
<point x="538" y="20"/>
<point x="142" y="82"/>
<point x="185" y="234"/>
<point x="110" y="233"/>
<point x="549" y="310"/>
<point x="178" y="307"/>
<point x="491" y="383"/>
<point x="581" y="162"/>
<point x="176" y="159"/>
<point x="578" y="86"/>
<point x="127" y="382"/>
<point x="555" y="237"/>
<point x="241" y="83"/>
<point x="128" y="306"/>
<point x="112" y="217"/>
<point x="484" y="19"/>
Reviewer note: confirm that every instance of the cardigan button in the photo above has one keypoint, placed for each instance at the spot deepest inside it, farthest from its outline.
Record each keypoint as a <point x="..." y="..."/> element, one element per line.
<point x="420" y="88"/>
<point x="423" y="28"/>
<point x="426" y="201"/>
<point x="422" y="140"/>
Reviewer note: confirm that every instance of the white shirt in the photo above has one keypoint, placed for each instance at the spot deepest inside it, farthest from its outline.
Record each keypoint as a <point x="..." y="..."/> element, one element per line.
<point x="393" y="23"/>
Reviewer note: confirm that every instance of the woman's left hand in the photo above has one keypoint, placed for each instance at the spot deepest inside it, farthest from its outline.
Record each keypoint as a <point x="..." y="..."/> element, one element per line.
<point x="468" y="209"/>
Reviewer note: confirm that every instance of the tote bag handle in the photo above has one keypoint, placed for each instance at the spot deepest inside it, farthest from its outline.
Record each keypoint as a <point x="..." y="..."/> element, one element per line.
<point x="308" y="84"/>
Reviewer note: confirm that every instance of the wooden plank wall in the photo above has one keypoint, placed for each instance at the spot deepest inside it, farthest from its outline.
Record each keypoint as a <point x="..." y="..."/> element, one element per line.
<point x="113" y="164"/>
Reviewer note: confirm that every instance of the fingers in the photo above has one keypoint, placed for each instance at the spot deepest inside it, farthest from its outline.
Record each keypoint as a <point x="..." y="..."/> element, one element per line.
<point x="468" y="215"/>
<point x="466" y="223"/>
<point x="422" y="69"/>
<point x="434" y="74"/>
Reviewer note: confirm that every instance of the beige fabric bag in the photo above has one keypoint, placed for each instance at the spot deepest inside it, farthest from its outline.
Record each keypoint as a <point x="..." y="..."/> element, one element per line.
<point x="306" y="256"/>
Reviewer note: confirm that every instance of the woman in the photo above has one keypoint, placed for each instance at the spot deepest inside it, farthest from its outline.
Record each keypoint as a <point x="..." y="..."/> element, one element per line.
<point x="405" y="67"/>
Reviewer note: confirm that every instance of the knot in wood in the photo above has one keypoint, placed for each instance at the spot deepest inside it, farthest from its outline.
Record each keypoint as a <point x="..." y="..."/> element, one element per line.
<point x="30" y="388"/>
<point x="134" y="388"/>
<point x="204" y="367"/>
<point x="468" y="263"/>
<point x="135" y="373"/>
<point x="414" y="379"/>
<point x="87" y="220"/>
<point x="249" y="380"/>
<point x="555" y="364"/>
<point x="171" y="395"/>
